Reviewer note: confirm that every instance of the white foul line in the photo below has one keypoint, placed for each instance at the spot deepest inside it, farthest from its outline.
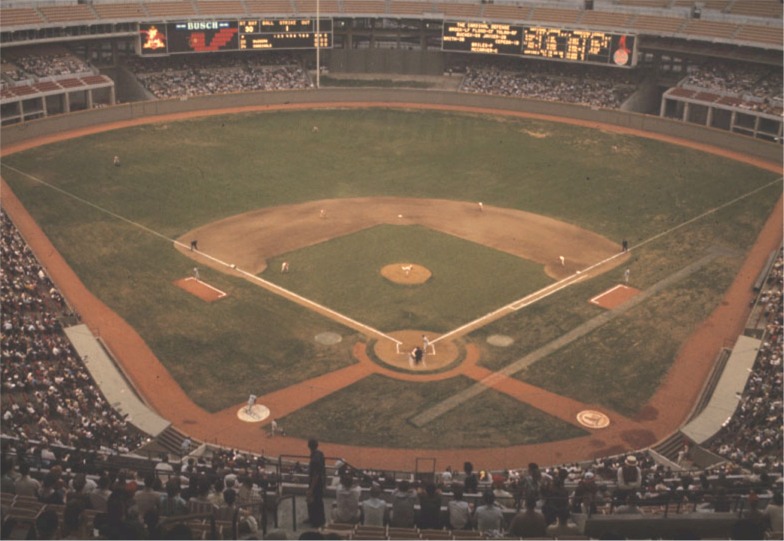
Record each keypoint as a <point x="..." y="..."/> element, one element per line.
<point x="290" y="294"/>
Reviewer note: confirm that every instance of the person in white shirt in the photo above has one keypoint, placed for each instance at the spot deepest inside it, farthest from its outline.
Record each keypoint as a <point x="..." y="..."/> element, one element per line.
<point x="459" y="510"/>
<point x="374" y="509"/>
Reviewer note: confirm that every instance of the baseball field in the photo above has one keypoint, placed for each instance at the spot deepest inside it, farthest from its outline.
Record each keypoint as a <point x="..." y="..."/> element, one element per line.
<point x="340" y="194"/>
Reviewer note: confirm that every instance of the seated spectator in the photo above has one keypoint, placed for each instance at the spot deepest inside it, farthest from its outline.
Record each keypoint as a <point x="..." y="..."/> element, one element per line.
<point x="430" y="507"/>
<point x="374" y="509"/>
<point x="629" y="507"/>
<point x="528" y="522"/>
<point x="459" y="510"/>
<point x="347" y="497"/>
<point x="52" y="490"/>
<point x="26" y="485"/>
<point x="489" y="517"/>
<point x="47" y="525"/>
<point x="404" y="499"/>
<point x="75" y="521"/>
<point x="564" y="526"/>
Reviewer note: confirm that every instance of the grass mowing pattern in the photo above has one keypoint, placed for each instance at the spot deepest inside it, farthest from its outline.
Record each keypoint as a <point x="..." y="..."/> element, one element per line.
<point x="492" y="419"/>
<point x="468" y="281"/>
<point x="177" y="176"/>
<point x="635" y="351"/>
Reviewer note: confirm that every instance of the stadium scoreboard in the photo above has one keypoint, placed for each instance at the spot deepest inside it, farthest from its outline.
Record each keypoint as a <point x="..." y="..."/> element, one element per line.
<point x="157" y="39"/>
<point x="540" y="42"/>
<point x="285" y="34"/>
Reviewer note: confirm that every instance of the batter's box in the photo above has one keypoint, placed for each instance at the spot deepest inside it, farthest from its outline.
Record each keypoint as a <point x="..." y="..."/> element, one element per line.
<point x="200" y="289"/>
<point x="615" y="296"/>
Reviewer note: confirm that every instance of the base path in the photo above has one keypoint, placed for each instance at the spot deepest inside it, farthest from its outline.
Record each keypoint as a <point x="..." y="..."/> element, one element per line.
<point x="664" y="414"/>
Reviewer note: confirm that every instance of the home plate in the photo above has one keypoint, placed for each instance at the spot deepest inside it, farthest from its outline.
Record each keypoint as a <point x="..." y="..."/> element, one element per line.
<point x="256" y="414"/>
<point x="615" y="296"/>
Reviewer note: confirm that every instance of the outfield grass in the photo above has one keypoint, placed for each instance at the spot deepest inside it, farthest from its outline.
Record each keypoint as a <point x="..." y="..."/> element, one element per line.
<point x="492" y="419"/>
<point x="344" y="274"/>
<point x="178" y="176"/>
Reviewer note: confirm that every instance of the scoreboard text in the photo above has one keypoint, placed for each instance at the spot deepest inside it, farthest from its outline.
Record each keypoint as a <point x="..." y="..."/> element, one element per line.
<point x="285" y="34"/>
<point x="257" y="34"/>
<point x="539" y="41"/>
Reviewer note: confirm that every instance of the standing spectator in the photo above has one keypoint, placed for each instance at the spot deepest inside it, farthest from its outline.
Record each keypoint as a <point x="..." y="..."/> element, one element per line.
<point x="471" y="482"/>
<point x="147" y="498"/>
<point x="100" y="495"/>
<point x="403" y="501"/>
<point x="774" y="516"/>
<point x="172" y="504"/>
<point x="629" y="477"/>
<point x="347" y="497"/>
<point x="228" y="509"/>
<point x="535" y="483"/>
<point x="430" y="507"/>
<point x="374" y="509"/>
<point x="446" y="477"/>
<point x="555" y="498"/>
<point x="584" y="497"/>
<point x="163" y="469"/>
<point x="459" y="510"/>
<point x="489" y="516"/>
<point x="528" y="523"/>
<point x="316" y="482"/>
<point x="185" y="446"/>
<point x="75" y="521"/>
<point x="7" y="480"/>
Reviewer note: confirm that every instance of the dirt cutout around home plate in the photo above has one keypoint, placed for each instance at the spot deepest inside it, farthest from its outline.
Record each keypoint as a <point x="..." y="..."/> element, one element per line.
<point x="437" y="355"/>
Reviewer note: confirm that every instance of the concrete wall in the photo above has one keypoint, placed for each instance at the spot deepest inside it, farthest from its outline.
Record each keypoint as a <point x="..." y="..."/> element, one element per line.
<point x="130" y="111"/>
<point x="392" y="61"/>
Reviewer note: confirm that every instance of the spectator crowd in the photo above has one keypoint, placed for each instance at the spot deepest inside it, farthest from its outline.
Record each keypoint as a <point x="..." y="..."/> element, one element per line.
<point x="760" y="88"/>
<point x="173" y="77"/>
<point x="552" y="81"/>
<point x="44" y="63"/>
<point x="752" y="438"/>
<point x="47" y="393"/>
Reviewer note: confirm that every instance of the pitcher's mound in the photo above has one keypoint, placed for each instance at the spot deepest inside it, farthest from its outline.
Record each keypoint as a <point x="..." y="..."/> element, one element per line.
<point x="406" y="273"/>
